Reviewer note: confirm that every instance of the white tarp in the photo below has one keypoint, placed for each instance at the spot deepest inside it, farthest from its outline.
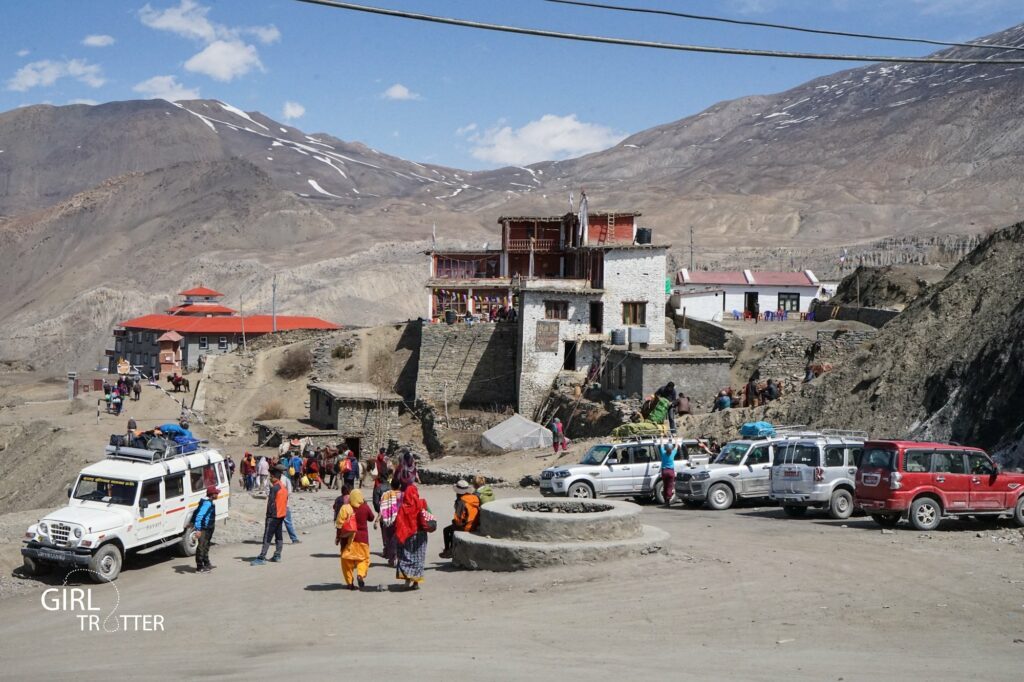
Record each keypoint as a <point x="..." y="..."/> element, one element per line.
<point x="515" y="433"/>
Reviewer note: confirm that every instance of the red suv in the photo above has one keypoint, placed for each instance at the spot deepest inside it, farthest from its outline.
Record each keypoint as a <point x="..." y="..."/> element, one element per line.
<point x="928" y="481"/>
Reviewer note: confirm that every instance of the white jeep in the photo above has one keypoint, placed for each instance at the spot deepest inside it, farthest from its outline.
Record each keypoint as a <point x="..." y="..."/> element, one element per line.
<point x="135" y="500"/>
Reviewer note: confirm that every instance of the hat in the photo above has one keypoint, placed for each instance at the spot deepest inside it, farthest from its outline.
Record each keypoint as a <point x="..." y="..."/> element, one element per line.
<point x="463" y="487"/>
<point x="212" y="491"/>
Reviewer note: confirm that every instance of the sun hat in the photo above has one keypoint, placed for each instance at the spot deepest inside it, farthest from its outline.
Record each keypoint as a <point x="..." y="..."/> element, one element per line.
<point x="463" y="487"/>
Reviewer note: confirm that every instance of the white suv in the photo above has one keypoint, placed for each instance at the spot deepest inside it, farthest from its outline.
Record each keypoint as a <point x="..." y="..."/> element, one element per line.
<point x="622" y="469"/>
<point x="135" y="500"/>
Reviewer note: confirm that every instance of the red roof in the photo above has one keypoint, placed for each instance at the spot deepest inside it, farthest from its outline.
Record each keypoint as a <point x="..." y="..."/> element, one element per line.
<point x="752" y="278"/>
<point x="788" y="279"/>
<point x="200" y="291"/>
<point x="703" y="277"/>
<point x="202" y="309"/>
<point x="254" y="324"/>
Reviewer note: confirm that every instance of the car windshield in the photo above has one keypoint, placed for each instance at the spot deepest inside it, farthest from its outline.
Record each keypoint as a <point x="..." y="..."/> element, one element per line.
<point x="732" y="453"/>
<point x="102" y="489"/>
<point x="798" y="453"/>
<point x="877" y="458"/>
<point x="596" y="454"/>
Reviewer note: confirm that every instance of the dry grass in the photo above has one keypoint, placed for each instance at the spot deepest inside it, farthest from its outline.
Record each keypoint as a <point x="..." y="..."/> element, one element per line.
<point x="341" y="352"/>
<point x="295" y="363"/>
<point x="272" y="410"/>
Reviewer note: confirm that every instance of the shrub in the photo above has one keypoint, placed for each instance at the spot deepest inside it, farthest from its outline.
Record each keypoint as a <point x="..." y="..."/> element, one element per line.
<point x="341" y="352"/>
<point x="272" y="410"/>
<point x="295" y="363"/>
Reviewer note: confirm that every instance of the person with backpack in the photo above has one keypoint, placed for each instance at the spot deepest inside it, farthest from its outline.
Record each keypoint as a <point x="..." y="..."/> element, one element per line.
<point x="355" y="539"/>
<point x="295" y="468"/>
<point x="467" y="514"/>
<point x="203" y="522"/>
<point x="277" y="510"/>
<point x="288" y="526"/>
<point x="558" y="438"/>
<point x="330" y="467"/>
<point x="389" y="504"/>
<point x="412" y="524"/>
<point x="406" y="473"/>
<point x="350" y="469"/>
<point x="381" y="471"/>
<point x="483" y="490"/>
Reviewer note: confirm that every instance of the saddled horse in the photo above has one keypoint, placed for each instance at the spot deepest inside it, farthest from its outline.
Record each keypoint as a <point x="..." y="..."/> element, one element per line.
<point x="180" y="383"/>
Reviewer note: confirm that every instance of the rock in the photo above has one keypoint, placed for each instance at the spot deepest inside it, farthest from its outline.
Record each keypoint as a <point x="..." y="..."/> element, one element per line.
<point x="529" y="481"/>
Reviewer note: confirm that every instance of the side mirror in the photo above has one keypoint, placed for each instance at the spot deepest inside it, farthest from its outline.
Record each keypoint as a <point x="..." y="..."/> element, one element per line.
<point x="69" y="491"/>
<point x="143" y="503"/>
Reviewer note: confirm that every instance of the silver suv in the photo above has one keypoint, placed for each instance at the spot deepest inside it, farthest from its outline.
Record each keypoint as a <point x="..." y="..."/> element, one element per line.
<point x="818" y="472"/>
<point x="740" y="470"/>
<point x="620" y="469"/>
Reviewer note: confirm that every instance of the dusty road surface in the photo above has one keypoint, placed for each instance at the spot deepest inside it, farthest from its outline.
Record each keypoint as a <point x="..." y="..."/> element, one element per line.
<point x="745" y="594"/>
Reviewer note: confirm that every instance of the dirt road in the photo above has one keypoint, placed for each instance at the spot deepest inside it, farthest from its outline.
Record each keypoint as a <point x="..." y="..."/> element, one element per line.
<point x="744" y="594"/>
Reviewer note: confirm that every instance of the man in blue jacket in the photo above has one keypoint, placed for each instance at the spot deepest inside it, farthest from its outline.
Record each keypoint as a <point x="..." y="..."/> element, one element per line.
<point x="203" y="524"/>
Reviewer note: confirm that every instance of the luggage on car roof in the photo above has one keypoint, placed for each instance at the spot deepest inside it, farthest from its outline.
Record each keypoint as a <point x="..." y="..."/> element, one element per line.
<point x="757" y="430"/>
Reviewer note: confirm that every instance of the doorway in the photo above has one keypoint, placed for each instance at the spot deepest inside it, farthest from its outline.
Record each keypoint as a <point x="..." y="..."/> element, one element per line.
<point x="570" y="356"/>
<point x="750" y="302"/>
<point x="596" y="317"/>
<point x="353" y="445"/>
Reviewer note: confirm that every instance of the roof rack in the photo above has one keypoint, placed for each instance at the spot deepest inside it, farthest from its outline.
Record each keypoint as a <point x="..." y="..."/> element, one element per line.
<point x="153" y="456"/>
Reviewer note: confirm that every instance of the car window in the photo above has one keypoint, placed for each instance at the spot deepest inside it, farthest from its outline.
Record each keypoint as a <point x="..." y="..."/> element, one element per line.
<point x="834" y="456"/>
<point x="799" y="454"/>
<point x="877" y="458"/>
<point x="758" y="456"/>
<point x="151" y="491"/>
<point x="917" y="461"/>
<point x="979" y="464"/>
<point x="202" y="477"/>
<point x="618" y="455"/>
<point x="854" y="456"/>
<point x="641" y="454"/>
<point x="174" y="485"/>
<point x="949" y="463"/>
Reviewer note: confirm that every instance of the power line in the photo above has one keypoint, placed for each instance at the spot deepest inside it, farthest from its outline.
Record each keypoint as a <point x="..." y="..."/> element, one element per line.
<point x="651" y="44"/>
<point x="785" y="27"/>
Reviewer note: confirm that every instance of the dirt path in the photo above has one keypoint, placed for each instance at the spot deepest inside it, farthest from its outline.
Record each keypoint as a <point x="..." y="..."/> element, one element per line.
<point x="745" y="594"/>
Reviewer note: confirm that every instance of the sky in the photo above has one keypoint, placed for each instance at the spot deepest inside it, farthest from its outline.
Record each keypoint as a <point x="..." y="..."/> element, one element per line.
<point x="448" y="95"/>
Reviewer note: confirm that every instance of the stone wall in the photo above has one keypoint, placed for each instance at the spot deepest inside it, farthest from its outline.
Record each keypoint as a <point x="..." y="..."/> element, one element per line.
<point x="635" y="275"/>
<point x="707" y="334"/>
<point x="785" y="355"/>
<point x="361" y="420"/>
<point x="876" y="317"/>
<point x="698" y="374"/>
<point x="473" y="365"/>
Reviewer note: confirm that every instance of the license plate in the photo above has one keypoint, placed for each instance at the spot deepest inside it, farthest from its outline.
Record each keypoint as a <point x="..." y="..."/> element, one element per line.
<point x="545" y="484"/>
<point x="791" y="474"/>
<point x="871" y="479"/>
<point x="50" y="555"/>
<point x="865" y="504"/>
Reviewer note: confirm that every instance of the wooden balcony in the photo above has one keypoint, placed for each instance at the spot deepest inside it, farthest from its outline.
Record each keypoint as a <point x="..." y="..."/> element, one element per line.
<point x="539" y="245"/>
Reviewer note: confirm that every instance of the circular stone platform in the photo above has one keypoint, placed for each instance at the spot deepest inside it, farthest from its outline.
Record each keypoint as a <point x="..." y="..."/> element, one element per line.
<point x="522" y="533"/>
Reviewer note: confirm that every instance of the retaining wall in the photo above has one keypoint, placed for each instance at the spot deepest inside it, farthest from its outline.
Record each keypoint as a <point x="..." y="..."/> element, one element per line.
<point x="477" y="362"/>
<point x="876" y="317"/>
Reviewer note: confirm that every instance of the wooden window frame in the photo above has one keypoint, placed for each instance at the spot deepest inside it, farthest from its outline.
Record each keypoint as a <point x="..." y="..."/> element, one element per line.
<point x="556" y="310"/>
<point x="634" y="313"/>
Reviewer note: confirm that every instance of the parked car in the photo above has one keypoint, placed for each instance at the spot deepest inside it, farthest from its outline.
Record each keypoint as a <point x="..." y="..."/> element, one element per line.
<point x="740" y="471"/>
<point x="620" y="469"/>
<point x="817" y="472"/>
<point x="927" y="482"/>
<point x="135" y="500"/>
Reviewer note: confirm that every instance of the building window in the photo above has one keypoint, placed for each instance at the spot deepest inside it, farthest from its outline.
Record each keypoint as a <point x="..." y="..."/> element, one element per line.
<point x="789" y="302"/>
<point x="203" y="343"/>
<point x="556" y="310"/>
<point x="222" y="343"/>
<point x="634" y="314"/>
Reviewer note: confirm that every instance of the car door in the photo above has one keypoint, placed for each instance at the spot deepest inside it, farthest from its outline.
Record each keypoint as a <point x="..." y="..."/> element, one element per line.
<point x="646" y="467"/>
<point x="617" y="474"/>
<point x="176" y="514"/>
<point x="949" y="475"/>
<point x="986" y="492"/>
<point x="753" y="477"/>
<point x="151" y="517"/>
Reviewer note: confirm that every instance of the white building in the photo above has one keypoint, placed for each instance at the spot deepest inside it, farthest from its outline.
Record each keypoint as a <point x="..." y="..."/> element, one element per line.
<point x="718" y="295"/>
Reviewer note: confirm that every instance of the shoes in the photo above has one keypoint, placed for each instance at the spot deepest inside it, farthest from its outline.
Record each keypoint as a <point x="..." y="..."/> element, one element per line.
<point x="446" y="554"/>
<point x="362" y="583"/>
<point x="296" y="541"/>
<point x="415" y="586"/>
<point x="352" y="587"/>
<point x="259" y="561"/>
<point x="276" y="558"/>
<point x="204" y="569"/>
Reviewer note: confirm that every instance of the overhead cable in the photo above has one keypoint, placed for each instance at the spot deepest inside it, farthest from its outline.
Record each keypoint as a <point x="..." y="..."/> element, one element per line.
<point x="651" y="44"/>
<point x="784" y="27"/>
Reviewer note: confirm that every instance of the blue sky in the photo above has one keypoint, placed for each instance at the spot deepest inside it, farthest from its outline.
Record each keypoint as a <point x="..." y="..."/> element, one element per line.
<point x="447" y="95"/>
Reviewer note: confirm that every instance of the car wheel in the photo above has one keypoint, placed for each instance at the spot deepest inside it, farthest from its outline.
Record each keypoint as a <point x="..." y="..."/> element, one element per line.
<point x="32" y="568"/>
<point x="841" y="505"/>
<point x="886" y="520"/>
<point x="1018" y="512"/>
<point x="187" y="545"/>
<point x="720" y="496"/>
<point x="794" y="510"/>
<point x="659" y="492"/>
<point x="925" y="513"/>
<point x="105" y="564"/>
<point x="581" y="491"/>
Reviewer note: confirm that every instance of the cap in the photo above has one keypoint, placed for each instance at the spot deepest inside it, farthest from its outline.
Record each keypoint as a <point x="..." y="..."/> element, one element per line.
<point x="463" y="487"/>
<point x="212" y="491"/>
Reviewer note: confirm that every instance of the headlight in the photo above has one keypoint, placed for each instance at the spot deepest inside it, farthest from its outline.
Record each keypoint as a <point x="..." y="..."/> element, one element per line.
<point x="702" y="476"/>
<point x="78" y="533"/>
<point x="562" y="474"/>
<point x="43" y="529"/>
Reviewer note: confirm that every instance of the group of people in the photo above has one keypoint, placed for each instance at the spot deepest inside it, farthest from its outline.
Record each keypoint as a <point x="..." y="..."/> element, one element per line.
<point x="752" y="394"/>
<point x="678" y="403"/>
<point x="125" y="389"/>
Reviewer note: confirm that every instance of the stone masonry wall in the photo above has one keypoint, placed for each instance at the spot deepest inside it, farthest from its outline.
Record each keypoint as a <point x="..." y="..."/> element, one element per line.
<point x="876" y="317"/>
<point x="708" y="334"/>
<point x="785" y="354"/>
<point x="474" y="365"/>
<point x="359" y="419"/>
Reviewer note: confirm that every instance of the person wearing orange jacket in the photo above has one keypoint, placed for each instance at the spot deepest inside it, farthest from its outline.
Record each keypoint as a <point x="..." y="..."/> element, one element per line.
<point x="277" y="510"/>
<point x="467" y="515"/>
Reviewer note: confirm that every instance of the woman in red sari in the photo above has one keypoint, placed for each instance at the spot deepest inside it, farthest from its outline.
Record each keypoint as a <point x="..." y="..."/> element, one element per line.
<point x="413" y="523"/>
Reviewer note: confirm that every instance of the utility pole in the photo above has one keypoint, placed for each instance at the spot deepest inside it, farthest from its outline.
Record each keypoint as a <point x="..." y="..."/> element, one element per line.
<point x="241" y="313"/>
<point x="273" y="303"/>
<point x="691" y="248"/>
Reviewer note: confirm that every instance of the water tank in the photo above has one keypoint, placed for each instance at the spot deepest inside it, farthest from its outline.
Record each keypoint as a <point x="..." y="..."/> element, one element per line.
<point x="618" y="337"/>
<point x="682" y="339"/>
<point x="643" y="235"/>
<point x="639" y="335"/>
<point x="449" y="316"/>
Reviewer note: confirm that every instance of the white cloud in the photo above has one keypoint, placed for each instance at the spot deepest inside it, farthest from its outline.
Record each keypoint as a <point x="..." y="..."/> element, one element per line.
<point x="265" y="34"/>
<point x="550" y="137"/>
<point x="187" y="20"/>
<point x="465" y="130"/>
<point x="165" y="87"/>
<point x="225" y="60"/>
<point x="399" y="92"/>
<point x="98" y="41"/>
<point x="23" y="53"/>
<point x="90" y="102"/>
<point x="47" y="72"/>
<point x="292" y="110"/>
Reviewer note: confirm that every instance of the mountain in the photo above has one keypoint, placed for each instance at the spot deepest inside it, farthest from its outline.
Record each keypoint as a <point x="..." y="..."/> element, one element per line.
<point x="107" y="210"/>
